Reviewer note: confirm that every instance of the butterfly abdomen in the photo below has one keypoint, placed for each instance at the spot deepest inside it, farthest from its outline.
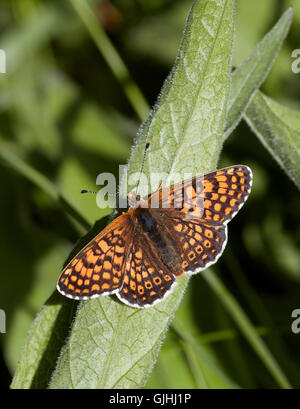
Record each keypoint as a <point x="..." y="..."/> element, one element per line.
<point x="152" y="226"/>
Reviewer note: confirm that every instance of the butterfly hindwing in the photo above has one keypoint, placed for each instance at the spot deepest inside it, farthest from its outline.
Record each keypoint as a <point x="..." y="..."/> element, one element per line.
<point x="146" y="278"/>
<point x="201" y="242"/>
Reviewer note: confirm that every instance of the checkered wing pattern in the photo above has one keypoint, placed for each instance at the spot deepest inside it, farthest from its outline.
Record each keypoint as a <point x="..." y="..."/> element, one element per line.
<point x="98" y="268"/>
<point x="216" y="196"/>
<point x="201" y="242"/>
<point x="146" y="277"/>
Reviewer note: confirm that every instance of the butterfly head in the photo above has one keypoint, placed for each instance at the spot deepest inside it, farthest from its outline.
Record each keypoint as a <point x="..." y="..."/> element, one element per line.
<point x="133" y="200"/>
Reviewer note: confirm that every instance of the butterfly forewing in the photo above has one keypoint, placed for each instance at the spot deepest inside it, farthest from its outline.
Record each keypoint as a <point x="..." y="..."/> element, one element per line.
<point x="98" y="268"/>
<point x="215" y="196"/>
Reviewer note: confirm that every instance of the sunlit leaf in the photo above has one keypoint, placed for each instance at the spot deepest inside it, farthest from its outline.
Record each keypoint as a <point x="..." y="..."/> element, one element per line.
<point x="278" y="128"/>
<point x="250" y="74"/>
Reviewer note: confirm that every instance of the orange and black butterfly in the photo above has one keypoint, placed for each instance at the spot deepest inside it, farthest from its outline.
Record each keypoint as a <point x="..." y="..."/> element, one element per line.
<point x="139" y="255"/>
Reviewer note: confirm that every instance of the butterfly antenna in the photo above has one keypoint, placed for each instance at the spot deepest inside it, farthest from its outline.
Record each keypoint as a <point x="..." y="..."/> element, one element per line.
<point x="142" y="167"/>
<point x="87" y="191"/>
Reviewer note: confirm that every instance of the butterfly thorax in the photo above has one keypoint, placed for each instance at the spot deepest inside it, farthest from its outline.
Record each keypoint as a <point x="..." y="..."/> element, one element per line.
<point x="133" y="200"/>
<point x="152" y="224"/>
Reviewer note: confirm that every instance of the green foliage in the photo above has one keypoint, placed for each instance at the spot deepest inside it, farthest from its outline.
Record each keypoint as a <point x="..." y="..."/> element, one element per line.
<point x="278" y="128"/>
<point x="94" y="351"/>
<point x="65" y="119"/>
<point x="250" y="74"/>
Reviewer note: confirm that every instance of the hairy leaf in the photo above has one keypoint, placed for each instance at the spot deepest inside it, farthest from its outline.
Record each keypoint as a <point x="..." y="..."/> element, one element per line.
<point x="251" y="73"/>
<point x="278" y="128"/>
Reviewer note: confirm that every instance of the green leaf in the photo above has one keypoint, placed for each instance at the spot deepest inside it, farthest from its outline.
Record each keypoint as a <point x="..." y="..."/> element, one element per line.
<point x="33" y="127"/>
<point x="251" y="25"/>
<point x="92" y="122"/>
<point x="278" y="128"/>
<point x="251" y="73"/>
<point x="43" y="344"/>
<point x="26" y="38"/>
<point x="112" y="345"/>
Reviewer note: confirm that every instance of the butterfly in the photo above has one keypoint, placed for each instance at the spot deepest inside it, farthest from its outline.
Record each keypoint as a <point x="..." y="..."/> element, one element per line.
<point x="177" y="230"/>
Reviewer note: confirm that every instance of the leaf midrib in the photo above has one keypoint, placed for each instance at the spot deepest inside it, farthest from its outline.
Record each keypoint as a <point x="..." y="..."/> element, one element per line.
<point x="189" y="116"/>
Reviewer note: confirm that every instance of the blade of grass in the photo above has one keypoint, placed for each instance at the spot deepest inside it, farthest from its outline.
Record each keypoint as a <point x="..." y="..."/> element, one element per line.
<point x="243" y="322"/>
<point x="112" y="57"/>
<point x="194" y="365"/>
<point x="19" y="165"/>
<point x="29" y="35"/>
<point x="201" y="352"/>
<point x="251" y="73"/>
<point x="226" y="335"/>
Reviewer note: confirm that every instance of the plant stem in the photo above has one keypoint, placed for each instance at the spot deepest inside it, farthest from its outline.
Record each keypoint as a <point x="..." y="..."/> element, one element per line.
<point x="27" y="171"/>
<point x="246" y="327"/>
<point x="112" y="58"/>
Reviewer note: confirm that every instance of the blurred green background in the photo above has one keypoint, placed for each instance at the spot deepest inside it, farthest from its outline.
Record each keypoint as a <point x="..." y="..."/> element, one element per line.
<point x="63" y="112"/>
